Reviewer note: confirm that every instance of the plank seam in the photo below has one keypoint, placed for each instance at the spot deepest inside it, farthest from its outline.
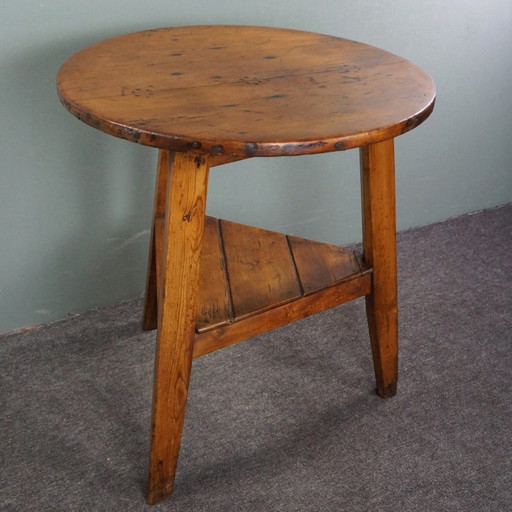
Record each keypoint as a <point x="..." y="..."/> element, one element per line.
<point x="226" y="272"/>
<point x="297" y="275"/>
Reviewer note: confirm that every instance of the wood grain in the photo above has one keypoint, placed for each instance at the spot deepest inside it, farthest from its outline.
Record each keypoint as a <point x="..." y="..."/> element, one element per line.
<point x="260" y="268"/>
<point x="379" y="245"/>
<point x="241" y="91"/>
<point x="184" y="223"/>
<point x="214" y="296"/>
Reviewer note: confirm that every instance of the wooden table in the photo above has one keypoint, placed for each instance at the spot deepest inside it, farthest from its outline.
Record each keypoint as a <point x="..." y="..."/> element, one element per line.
<point x="210" y="95"/>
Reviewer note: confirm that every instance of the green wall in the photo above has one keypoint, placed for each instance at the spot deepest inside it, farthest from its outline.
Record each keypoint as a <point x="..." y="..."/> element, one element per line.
<point x="75" y="204"/>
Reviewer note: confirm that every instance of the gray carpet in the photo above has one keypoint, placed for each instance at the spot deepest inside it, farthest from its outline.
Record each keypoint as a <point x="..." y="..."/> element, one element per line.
<point x="287" y="421"/>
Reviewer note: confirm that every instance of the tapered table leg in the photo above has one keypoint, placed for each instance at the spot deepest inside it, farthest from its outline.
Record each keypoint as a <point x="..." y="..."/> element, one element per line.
<point x="379" y="248"/>
<point x="177" y="296"/>
<point x="150" y="313"/>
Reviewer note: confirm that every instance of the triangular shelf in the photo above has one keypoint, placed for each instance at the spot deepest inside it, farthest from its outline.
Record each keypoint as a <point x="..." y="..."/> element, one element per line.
<point x="246" y="271"/>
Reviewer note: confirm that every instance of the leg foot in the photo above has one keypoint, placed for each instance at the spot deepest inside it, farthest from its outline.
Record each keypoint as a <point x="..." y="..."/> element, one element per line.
<point x="387" y="391"/>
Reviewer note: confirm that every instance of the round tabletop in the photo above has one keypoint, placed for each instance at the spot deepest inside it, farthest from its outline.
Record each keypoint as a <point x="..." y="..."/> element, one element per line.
<point x="244" y="91"/>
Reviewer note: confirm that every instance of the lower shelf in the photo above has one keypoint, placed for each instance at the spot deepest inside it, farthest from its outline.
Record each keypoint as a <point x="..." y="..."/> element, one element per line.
<point x="253" y="280"/>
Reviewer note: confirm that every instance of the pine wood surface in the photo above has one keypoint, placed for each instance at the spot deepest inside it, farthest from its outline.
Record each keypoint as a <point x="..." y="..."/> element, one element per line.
<point x="260" y="268"/>
<point x="240" y="91"/>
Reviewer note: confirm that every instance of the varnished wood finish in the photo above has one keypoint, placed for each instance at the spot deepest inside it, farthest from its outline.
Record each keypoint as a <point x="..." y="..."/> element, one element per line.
<point x="179" y="276"/>
<point x="211" y="95"/>
<point x="244" y="91"/>
<point x="379" y="243"/>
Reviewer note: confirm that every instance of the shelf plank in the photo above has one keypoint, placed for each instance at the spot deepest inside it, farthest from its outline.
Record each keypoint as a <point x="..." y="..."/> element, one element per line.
<point x="320" y="265"/>
<point x="260" y="268"/>
<point x="214" y="303"/>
